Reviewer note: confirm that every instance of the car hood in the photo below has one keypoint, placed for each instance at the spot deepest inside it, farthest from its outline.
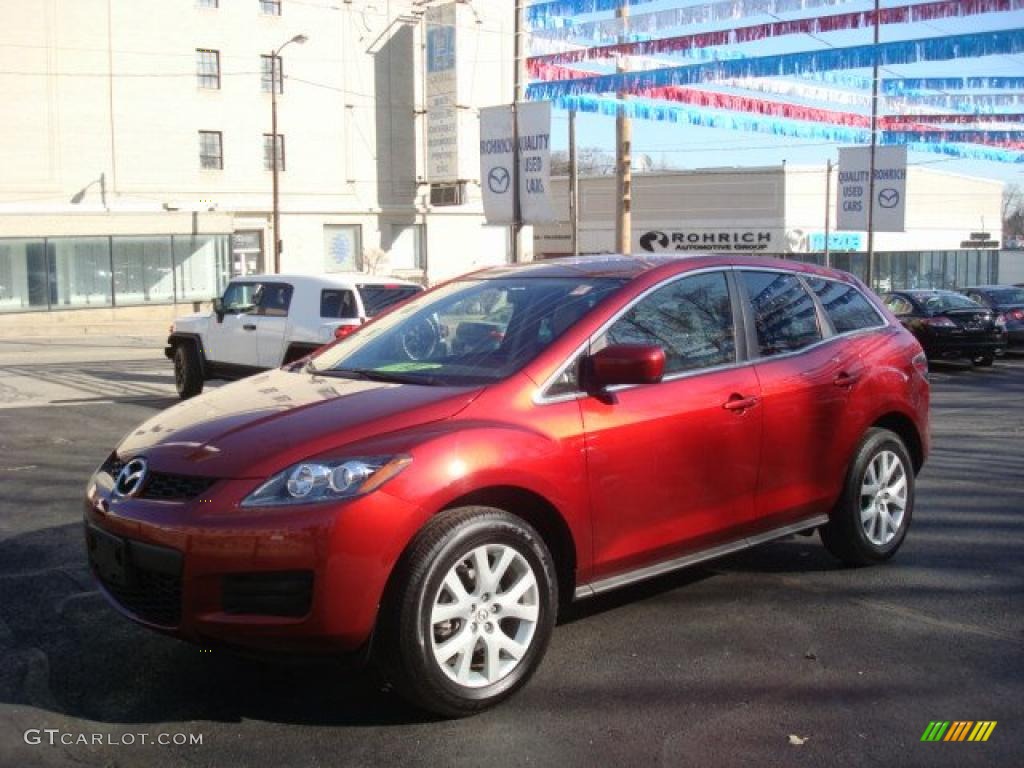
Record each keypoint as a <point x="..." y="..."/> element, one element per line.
<point x="259" y="425"/>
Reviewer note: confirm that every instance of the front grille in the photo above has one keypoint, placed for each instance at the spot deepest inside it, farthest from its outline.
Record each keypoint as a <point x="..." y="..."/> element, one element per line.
<point x="151" y="586"/>
<point x="162" y="485"/>
<point x="276" y="593"/>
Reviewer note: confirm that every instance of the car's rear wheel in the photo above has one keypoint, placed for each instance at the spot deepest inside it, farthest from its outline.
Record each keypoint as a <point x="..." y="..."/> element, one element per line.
<point x="470" y="612"/>
<point x="871" y="518"/>
<point x="984" y="360"/>
<point x="188" y="371"/>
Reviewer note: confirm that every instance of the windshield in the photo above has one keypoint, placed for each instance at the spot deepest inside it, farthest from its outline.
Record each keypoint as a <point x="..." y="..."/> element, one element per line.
<point x="935" y="303"/>
<point x="1004" y="296"/>
<point x="377" y="298"/>
<point x="466" y="332"/>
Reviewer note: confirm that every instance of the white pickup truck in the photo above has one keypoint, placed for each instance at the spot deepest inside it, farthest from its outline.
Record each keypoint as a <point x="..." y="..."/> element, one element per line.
<point x="264" y="321"/>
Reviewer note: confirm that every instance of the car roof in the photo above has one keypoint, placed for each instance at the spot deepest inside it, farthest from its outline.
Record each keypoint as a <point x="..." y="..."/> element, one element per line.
<point x="630" y="267"/>
<point x="340" y="279"/>
<point x="994" y="287"/>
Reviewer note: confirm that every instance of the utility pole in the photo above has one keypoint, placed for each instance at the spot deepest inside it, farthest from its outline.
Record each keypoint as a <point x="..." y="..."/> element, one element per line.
<point x="623" y="150"/>
<point x="874" y="145"/>
<point x="828" y="204"/>
<point x="574" y="188"/>
<point x="274" y="77"/>
<point x="518" y="92"/>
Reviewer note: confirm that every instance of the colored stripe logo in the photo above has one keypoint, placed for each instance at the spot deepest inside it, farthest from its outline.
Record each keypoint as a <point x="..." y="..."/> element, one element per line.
<point x="958" y="730"/>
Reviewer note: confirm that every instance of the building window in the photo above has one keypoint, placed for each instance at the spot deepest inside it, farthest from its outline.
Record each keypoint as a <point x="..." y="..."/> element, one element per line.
<point x="268" y="75"/>
<point x="343" y="248"/>
<point x="211" y="150"/>
<point x="268" y="152"/>
<point x="208" y="68"/>
<point x="447" y="194"/>
<point x="208" y="3"/>
<point x="270" y="7"/>
<point x="406" y="251"/>
<point x="143" y="270"/>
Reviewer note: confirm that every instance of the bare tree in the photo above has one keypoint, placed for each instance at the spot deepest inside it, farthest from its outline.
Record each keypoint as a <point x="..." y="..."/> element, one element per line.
<point x="1013" y="213"/>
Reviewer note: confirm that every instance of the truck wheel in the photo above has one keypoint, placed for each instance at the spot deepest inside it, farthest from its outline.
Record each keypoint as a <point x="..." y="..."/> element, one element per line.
<point x="188" y="371"/>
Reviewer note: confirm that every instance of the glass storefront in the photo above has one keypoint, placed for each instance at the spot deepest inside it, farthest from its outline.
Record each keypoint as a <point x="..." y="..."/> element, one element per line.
<point x="916" y="269"/>
<point x="80" y="272"/>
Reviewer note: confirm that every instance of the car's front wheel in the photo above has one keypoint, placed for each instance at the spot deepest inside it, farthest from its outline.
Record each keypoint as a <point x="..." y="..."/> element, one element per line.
<point x="871" y="518"/>
<point x="188" y="371"/>
<point x="984" y="360"/>
<point x="470" y="612"/>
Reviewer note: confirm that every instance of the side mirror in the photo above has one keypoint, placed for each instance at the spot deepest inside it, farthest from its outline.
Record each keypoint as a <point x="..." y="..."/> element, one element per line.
<point x="218" y="308"/>
<point x="624" y="364"/>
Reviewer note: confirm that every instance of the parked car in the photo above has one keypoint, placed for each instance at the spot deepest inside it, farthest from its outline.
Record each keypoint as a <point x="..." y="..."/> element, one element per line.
<point x="1008" y="302"/>
<point x="263" y="321"/>
<point x="620" y="418"/>
<point x="949" y="325"/>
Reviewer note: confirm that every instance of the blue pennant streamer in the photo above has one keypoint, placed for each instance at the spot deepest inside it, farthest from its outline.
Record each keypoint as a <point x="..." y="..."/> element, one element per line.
<point x="905" y="84"/>
<point x="545" y="10"/>
<point x="1009" y="41"/>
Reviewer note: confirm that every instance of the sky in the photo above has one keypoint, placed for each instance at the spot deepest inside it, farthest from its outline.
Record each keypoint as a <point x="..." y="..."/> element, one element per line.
<point x="692" y="147"/>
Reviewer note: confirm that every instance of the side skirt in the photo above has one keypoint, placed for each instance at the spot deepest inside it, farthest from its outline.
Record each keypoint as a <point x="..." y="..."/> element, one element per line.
<point x="651" y="571"/>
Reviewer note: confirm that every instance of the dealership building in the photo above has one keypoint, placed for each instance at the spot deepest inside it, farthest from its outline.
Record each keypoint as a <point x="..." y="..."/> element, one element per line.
<point x="136" y="147"/>
<point x="951" y="238"/>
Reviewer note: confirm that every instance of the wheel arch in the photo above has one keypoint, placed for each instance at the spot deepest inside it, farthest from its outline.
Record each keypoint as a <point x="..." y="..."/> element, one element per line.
<point x="905" y="427"/>
<point x="178" y="339"/>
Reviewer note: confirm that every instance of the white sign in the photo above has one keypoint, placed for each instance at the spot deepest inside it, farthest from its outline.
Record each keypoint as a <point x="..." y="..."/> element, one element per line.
<point x="706" y="240"/>
<point x="890" y="193"/>
<point x="497" y="161"/>
<point x="442" y="95"/>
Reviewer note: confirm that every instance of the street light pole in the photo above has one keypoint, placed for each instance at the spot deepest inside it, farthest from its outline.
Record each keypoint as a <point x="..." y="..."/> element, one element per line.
<point x="300" y="39"/>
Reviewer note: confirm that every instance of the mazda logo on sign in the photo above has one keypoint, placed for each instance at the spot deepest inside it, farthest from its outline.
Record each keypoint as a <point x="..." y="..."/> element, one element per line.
<point x="649" y="239"/>
<point x="131" y="478"/>
<point x="498" y="180"/>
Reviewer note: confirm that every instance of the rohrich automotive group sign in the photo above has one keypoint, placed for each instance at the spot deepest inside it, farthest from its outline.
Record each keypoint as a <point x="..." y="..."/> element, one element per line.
<point x="712" y="240"/>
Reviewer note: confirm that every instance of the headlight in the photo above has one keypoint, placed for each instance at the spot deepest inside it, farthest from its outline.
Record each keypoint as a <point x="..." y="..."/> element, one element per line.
<point x="315" y="481"/>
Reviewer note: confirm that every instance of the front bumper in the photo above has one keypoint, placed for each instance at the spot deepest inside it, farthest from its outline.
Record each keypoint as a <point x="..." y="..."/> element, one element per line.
<point x="304" y="579"/>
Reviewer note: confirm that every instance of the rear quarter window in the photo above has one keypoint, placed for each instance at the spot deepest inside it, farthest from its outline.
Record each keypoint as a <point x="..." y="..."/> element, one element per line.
<point x="847" y="308"/>
<point x="338" y="304"/>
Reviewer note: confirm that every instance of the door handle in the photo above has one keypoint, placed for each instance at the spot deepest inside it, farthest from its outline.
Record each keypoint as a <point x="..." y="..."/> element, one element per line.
<point x="738" y="403"/>
<point x="844" y="379"/>
<point x="249" y="327"/>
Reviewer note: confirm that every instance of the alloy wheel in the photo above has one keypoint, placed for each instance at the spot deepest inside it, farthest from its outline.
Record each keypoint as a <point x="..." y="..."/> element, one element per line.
<point x="484" y="615"/>
<point x="883" y="498"/>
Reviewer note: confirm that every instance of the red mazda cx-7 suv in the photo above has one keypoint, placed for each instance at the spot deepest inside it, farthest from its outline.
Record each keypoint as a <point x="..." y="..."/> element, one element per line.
<point x="430" y="489"/>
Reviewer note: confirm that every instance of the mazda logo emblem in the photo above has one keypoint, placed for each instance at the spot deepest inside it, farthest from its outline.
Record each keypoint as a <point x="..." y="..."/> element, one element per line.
<point x="131" y="478"/>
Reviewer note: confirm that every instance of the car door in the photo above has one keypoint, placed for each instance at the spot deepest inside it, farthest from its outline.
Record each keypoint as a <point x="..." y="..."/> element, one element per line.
<point x="672" y="467"/>
<point x="231" y="338"/>
<point x="272" y="319"/>
<point x="805" y="382"/>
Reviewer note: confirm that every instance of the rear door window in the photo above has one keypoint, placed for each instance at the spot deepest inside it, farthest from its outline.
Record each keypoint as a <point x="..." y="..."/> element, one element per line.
<point x="379" y="298"/>
<point x="274" y="300"/>
<point x="338" y="304"/>
<point x="847" y="308"/>
<point x="784" y="313"/>
<point x="691" y="319"/>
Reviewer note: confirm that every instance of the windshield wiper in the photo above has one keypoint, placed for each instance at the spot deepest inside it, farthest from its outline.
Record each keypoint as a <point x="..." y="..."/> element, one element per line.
<point x="392" y="377"/>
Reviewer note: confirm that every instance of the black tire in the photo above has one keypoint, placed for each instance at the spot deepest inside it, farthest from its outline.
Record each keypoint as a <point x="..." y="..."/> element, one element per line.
<point x="407" y="637"/>
<point x="984" y="360"/>
<point x="188" y="371"/>
<point x="845" y="535"/>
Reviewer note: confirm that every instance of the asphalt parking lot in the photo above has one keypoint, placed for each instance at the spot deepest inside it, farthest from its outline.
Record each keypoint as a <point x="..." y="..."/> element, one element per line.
<point x="777" y="656"/>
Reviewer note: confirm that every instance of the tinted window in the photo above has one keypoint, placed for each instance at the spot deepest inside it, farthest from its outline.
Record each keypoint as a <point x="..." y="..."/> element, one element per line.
<point x="899" y="305"/>
<point x="1003" y="296"/>
<point x="274" y="299"/>
<point x="845" y="306"/>
<point x="691" y="319"/>
<point x="784" y="312"/>
<point x="338" y="304"/>
<point x="377" y="298"/>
